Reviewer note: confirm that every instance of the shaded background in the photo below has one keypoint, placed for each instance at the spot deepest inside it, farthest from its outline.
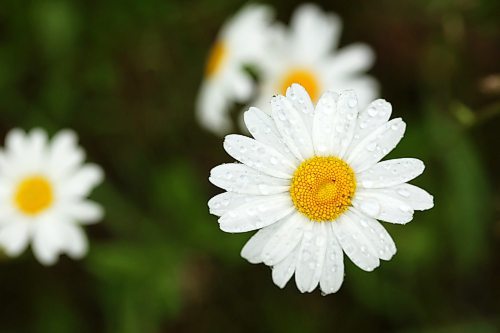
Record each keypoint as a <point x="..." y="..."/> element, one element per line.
<point x="124" y="74"/>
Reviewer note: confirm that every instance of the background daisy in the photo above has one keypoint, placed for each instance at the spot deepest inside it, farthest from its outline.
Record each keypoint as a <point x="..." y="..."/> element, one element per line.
<point x="43" y="190"/>
<point x="243" y="40"/>
<point x="306" y="53"/>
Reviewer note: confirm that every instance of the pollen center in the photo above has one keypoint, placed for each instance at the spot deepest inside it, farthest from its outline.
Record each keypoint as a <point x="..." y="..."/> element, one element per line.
<point x="322" y="188"/>
<point x="305" y="78"/>
<point x="218" y="54"/>
<point x="34" y="194"/>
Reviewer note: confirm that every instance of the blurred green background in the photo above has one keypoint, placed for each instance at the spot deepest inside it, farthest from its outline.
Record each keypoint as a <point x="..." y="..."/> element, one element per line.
<point x="124" y="75"/>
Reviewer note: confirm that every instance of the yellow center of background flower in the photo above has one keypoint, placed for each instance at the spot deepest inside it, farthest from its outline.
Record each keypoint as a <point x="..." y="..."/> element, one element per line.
<point x="322" y="188"/>
<point x="34" y="194"/>
<point x="216" y="58"/>
<point x="305" y="78"/>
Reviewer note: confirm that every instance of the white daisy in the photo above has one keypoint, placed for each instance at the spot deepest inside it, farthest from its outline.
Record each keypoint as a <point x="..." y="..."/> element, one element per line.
<point x="311" y="180"/>
<point x="42" y="195"/>
<point x="306" y="54"/>
<point x="241" y="41"/>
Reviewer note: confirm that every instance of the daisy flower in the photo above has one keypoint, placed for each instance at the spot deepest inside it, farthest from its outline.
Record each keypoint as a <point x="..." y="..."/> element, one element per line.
<point x="241" y="41"/>
<point x="306" y="54"/>
<point x="42" y="195"/>
<point x="312" y="181"/>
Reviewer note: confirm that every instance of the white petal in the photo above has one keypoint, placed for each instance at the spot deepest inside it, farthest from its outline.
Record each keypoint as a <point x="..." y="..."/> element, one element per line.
<point x="247" y="33"/>
<point x="376" y="145"/>
<point x="37" y="147"/>
<point x="412" y="195"/>
<point x="223" y="202"/>
<point x="240" y="178"/>
<point x="257" y="214"/>
<point x="241" y="85"/>
<point x="302" y="103"/>
<point x="47" y="241"/>
<point x="382" y="206"/>
<point x="64" y="155"/>
<point x="354" y="243"/>
<point x="323" y="130"/>
<point x="212" y="107"/>
<point x="258" y="156"/>
<point x="292" y="128"/>
<point x="366" y="88"/>
<point x="332" y="275"/>
<point x="84" y="211"/>
<point x="263" y="129"/>
<point x="8" y="211"/>
<point x="369" y="119"/>
<point x="14" y="237"/>
<point x="284" y="240"/>
<point x="76" y="243"/>
<point x="351" y="60"/>
<point x="390" y="173"/>
<point x="311" y="256"/>
<point x="83" y="181"/>
<point x="252" y="251"/>
<point x="344" y="122"/>
<point x="314" y="32"/>
<point x="16" y="142"/>
<point x="378" y="237"/>
<point x="283" y="271"/>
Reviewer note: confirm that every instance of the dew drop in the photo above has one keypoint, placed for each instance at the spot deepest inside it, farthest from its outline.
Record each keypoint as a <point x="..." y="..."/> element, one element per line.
<point x="371" y="146"/>
<point x="370" y="207"/>
<point x="404" y="193"/>
<point x="405" y="209"/>
<point x="372" y="112"/>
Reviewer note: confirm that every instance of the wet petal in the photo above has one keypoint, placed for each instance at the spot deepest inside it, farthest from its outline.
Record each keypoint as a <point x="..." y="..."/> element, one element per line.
<point x="391" y="172"/>
<point x="259" y="156"/>
<point x="240" y="178"/>
<point x="292" y="128"/>
<point x="376" y="145"/>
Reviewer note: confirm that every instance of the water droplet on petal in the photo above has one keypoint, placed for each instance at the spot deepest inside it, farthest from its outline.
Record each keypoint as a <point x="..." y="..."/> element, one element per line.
<point x="404" y="193"/>
<point x="371" y="146"/>
<point x="370" y="207"/>
<point x="372" y="112"/>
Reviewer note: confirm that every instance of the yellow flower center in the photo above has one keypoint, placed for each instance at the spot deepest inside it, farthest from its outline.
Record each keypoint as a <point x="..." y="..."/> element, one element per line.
<point x="322" y="188"/>
<point x="34" y="194"/>
<point x="216" y="58"/>
<point x="305" y="78"/>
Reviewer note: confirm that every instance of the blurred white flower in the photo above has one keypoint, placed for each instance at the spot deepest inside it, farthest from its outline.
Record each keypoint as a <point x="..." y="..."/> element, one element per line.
<point x="306" y="54"/>
<point x="42" y="195"/>
<point x="241" y="41"/>
<point x="313" y="183"/>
